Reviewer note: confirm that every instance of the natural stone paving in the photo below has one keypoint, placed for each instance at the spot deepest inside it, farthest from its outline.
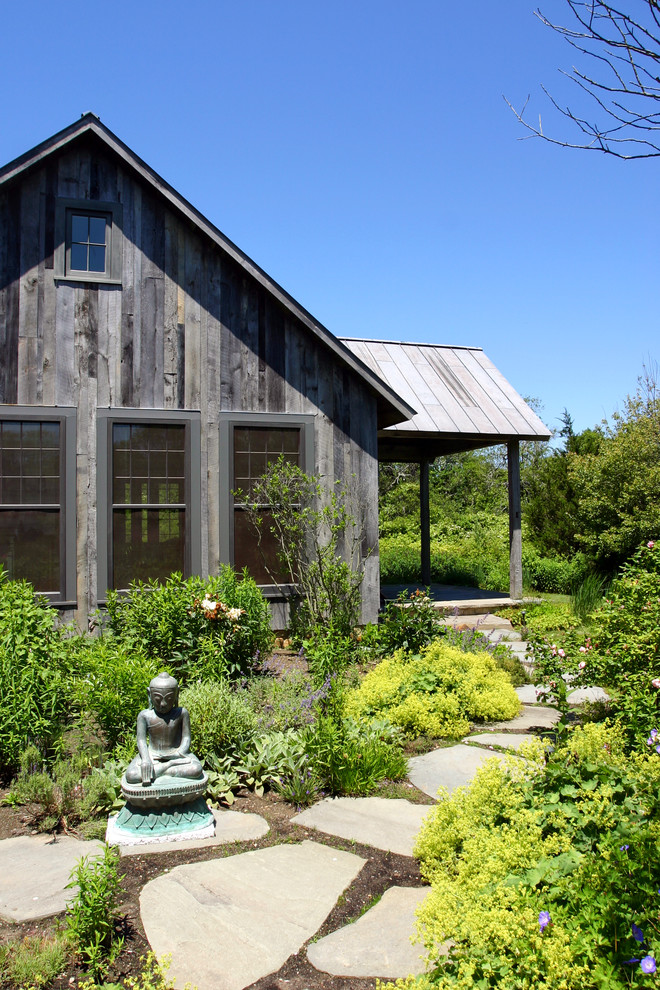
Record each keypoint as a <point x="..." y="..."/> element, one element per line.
<point x="531" y="717"/>
<point x="506" y="740"/>
<point x="580" y="695"/>
<point x="377" y="944"/>
<point x="230" y="826"/>
<point x="389" y="824"/>
<point x="452" y="767"/>
<point x="228" y="922"/>
<point x="35" y="870"/>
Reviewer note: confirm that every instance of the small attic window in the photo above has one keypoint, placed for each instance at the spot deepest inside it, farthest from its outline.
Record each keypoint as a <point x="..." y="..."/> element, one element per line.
<point x="88" y="241"/>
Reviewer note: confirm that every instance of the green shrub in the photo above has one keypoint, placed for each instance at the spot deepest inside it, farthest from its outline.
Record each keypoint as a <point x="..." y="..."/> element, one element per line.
<point x="201" y="628"/>
<point x="34" y="960"/>
<point x="538" y="877"/>
<point x="282" y="703"/>
<point x="351" y="757"/>
<point x="409" y="623"/>
<point x="437" y="693"/>
<point x="110" y="687"/>
<point x="221" y="719"/>
<point x="34" y="673"/>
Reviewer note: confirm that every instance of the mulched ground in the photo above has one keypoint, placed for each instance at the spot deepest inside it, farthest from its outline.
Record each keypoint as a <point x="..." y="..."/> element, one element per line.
<point x="381" y="870"/>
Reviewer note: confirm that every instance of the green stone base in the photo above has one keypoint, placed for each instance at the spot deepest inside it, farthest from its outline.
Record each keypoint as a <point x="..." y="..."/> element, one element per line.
<point x="134" y="825"/>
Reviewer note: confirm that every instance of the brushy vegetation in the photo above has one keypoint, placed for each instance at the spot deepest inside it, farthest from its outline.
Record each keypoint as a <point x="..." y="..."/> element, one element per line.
<point x="90" y="914"/>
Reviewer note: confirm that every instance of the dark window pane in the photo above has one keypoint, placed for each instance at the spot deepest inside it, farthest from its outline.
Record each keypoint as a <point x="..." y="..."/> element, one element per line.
<point x="241" y="466"/>
<point x="122" y="462"/>
<point x="175" y="464"/>
<point x="79" y="228"/>
<point x="158" y="464"/>
<point x="253" y="555"/>
<point x="31" y="491"/>
<point x="139" y="463"/>
<point x="11" y="434"/>
<point x="97" y="230"/>
<point x="257" y="465"/>
<point x="139" y="491"/>
<point x="274" y="441"/>
<point x="258" y="439"/>
<point x="176" y="437"/>
<point x="241" y="438"/>
<point x="121" y="436"/>
<point x="148" y="544"/>
<point x="30" y="547"/>
<point x="11" y="462"/>
<point x="50" y="490"/>
<point x="96" y="258"/>
<point x="31" y="462"/>
<point x="50" y="435"/>
<point x="290" y="441"/>
<point x="50" y="462"/>
<point x="11" y="490"/>
<point x="31" y="434"/>
<point x="79" y="257"/>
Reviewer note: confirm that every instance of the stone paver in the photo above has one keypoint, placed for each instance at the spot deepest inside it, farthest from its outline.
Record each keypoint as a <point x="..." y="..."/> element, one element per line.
<point x="389" y="824"/>
<point x="230" y="826"/>
<point x="506" y="740"/>
<point x="35" y="870"/>
<point x="529" y="693"/>
<point x="228" y="922"/>
<point x="531" y="717"/>
<point x="580" y="695"/>
<point x="452" y="767"/>
<point x="378" y="943"/>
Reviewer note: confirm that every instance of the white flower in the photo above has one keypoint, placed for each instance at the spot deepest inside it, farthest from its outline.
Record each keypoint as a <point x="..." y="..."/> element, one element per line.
<point x="208" y="605"/>
<point x="234" y="613"/>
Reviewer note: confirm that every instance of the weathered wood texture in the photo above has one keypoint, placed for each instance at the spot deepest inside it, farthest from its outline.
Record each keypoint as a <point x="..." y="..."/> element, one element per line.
<point x="187" y="329"/>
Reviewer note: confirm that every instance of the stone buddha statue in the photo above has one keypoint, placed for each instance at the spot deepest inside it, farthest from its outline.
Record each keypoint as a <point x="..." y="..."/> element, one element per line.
<point x="163" y="737"/>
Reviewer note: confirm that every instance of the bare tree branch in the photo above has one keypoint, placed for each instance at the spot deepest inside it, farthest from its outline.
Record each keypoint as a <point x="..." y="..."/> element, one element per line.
<point x="625" y="90"/>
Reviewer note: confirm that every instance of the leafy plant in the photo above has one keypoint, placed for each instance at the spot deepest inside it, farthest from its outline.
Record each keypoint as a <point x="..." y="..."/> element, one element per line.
<point x="409" y="623"/>
<point x="437" y="692"/>
<point x="91" y="913"/>
<point x="318" y="544"/>
<point x="286" y="702"/>
<point x="351" y="757"/>
<point x="35" y="678"/>
<point x="34" y="961"/>
<point x="202" y="628"/>
<point x="221" y="718"/>
<point x="588" y="595"/>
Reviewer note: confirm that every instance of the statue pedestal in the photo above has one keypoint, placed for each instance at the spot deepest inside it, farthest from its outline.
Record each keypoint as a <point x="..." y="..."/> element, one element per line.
<point x="169" y="809"/>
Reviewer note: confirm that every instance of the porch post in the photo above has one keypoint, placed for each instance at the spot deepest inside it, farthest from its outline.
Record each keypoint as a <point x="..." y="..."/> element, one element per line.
<point x="515" y="534"/>
<point x="425" y="520"/>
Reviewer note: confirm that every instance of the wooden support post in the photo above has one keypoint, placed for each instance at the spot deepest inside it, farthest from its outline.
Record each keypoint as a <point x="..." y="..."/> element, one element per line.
<point x="515" y="532"/>
<point x="425" y="520"/>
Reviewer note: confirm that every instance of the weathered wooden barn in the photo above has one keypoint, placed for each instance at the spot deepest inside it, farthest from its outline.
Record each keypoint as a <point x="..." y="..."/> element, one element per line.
<point x="148" y="369"/>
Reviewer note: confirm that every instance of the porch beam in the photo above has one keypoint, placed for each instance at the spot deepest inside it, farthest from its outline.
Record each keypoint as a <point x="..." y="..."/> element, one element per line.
<point x="515" y="532"/>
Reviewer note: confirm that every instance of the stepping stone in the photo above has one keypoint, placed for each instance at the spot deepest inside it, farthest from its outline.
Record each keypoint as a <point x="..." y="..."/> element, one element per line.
<point x="452" y="767"/>
<point x="580" y="695"/>
<point x="230" y="826"/>
<point x="529" y="693"/>
<point x="531" y="717"/>
<point x="385" y="824"/>
<point x="504" y="739"/>
<point x="35" y="869"/>
<point x="379" y="943"/>
<point x="228" y="922"/>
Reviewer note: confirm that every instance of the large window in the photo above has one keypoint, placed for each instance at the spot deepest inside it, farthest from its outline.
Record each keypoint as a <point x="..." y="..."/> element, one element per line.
<point x="252" y="443"/>
<point x="149" y="515"/>
<point x="87" y="241"/>
<point x="37" y="498"/>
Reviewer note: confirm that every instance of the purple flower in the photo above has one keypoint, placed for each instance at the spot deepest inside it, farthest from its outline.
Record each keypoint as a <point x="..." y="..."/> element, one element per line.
<point x="638" y="934"/>
<point x="647" y="964"/>
<point x="544" y="920"/>
<point x="623" y="849"/>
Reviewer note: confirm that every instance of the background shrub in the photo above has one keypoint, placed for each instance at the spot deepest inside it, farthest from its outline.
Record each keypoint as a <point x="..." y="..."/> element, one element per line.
<point x="221" y="720"/>
<point x="168" y="621"/>
<point x="35" y="682"/>
<point x="436" y="693"/>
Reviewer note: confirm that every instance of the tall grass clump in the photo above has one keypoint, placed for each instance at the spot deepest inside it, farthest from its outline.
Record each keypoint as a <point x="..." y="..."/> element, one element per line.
<point x="588" y="595"/>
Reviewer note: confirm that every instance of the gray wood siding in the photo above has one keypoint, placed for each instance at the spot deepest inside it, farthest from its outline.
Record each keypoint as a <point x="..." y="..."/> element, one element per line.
<point x="187" y="329"/>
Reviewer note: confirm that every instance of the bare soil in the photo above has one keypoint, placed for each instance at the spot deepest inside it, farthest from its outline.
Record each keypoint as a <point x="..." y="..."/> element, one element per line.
<point x="381" y="870"/>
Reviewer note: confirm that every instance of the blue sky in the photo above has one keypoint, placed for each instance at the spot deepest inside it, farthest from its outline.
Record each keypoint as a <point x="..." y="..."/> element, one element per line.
<point x="362" y="153"/>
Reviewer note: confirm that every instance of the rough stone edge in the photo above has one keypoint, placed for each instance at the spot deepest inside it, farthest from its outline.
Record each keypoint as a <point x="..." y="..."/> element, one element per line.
<point x="261" y="828"/>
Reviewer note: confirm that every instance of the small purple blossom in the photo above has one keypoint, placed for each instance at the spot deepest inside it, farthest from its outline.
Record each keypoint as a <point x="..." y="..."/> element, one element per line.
<point x="647" y="965"/>
<point x="624" y="849"/>
<point x="638" y="934"/>
<point x="544" y="920"/>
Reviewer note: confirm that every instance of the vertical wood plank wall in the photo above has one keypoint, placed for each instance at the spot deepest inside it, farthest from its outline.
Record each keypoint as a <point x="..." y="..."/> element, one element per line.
<point x="187" y="329"/>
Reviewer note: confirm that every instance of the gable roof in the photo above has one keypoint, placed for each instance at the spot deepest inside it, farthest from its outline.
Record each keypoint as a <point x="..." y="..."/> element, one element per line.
<point x="462" y="400"/>
<point x="391" y="407"/>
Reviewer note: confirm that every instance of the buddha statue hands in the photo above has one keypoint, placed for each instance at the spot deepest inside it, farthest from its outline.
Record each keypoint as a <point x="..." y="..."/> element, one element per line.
<point x="163" y="737"/>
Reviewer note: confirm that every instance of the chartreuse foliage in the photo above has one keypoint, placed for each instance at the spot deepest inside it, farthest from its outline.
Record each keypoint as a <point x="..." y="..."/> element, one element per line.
<point x="437" y="692"/>
<point x="547" y="876"/>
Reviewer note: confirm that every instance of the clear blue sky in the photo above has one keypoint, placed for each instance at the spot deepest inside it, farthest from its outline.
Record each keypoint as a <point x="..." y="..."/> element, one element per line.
<point x="361" y="152"/>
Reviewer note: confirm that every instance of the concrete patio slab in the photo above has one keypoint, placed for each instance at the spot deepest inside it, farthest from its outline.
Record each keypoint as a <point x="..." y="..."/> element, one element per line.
<point x="228" y="922"/>
<point x="230" y="826"/>
<point x="35" y="870"/>
<point x="506" y="740"/>
<point x="379" y="943"/>
<point x="386" y="824"/>
<point x="452" y="767"/>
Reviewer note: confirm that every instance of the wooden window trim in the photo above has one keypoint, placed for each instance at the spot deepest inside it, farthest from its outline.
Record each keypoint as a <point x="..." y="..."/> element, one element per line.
<point x="113" y="213"/>
<point x="65" y="597"/>
<point x="227" y="423"/>
<point x="106" y="419"/>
